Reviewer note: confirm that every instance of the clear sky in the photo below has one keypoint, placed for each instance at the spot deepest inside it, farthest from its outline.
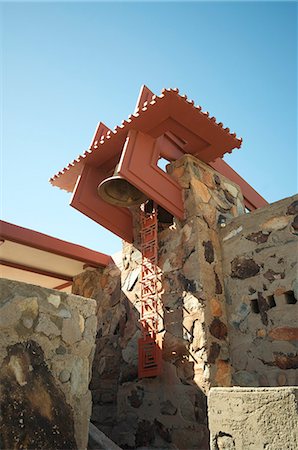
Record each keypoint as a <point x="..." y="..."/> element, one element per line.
<point x="67" y="66"/>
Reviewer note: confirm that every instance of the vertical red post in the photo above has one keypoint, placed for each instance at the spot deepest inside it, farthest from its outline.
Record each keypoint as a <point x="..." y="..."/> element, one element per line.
<point x="149" y="347"/>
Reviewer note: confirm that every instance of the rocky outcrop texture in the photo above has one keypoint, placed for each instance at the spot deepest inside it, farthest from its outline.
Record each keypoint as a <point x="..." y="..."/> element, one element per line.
<point x="253" y="418"/>
<point x="46" y="351"/>
<point x="168" y="411"/>
<point x="260" y="270"/>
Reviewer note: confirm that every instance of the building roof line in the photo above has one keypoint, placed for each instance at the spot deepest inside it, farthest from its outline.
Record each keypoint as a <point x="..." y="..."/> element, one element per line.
<point x="40" y="241"/>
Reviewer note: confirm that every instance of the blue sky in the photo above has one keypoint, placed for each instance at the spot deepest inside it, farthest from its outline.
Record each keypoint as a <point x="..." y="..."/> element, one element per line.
<point x="66" y="66"/>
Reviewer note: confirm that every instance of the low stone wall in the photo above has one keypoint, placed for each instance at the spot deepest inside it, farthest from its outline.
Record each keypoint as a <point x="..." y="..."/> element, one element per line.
<point x="260" y="270"/>
<point x="46" y="351"/>
<point x="253" y="418"/>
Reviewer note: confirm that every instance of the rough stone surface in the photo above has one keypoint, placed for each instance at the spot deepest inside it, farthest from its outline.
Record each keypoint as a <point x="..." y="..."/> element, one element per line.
<point x="253" y="418"/>
<point x="34" y="410"/>
<point x="44" y="396"/>
<point x="260" y="271"/>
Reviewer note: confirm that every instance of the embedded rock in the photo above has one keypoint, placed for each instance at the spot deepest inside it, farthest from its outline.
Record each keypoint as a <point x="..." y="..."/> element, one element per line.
<point x="284" y="334"/>
<point x="244" y="268"/>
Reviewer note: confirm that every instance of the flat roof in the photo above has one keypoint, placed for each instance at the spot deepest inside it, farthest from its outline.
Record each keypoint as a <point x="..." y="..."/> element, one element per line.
<point x="33" y="257"/>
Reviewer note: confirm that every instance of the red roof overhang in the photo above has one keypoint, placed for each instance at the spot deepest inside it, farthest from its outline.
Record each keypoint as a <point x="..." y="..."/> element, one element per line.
<point x="203" y="136"/>
<point x="170" y="117"/>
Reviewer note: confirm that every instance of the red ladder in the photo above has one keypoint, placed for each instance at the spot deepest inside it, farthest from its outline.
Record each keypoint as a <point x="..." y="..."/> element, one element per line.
<point x="149" y="345"/>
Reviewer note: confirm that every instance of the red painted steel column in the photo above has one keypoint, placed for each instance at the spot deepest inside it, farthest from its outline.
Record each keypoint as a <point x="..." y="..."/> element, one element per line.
<point x="149" y="345"/>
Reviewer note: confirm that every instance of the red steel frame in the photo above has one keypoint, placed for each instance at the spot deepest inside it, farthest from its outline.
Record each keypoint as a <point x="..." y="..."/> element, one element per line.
<point x="138" y="165"/>
<point x="87" y="201"/>
<point x="149" y="347"/>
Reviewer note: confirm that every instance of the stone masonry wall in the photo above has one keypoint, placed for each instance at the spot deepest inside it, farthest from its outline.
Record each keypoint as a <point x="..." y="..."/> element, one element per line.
<point x="260" y="268"/>
<point x="167" y="411"/>
<point x="253" y="418"/>
<point x="191" y="261"/>
<point x="46" y="350"/>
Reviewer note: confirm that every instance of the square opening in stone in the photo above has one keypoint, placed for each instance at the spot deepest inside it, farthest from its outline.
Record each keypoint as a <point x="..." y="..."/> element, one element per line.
<point x="255" y="306"/>
<point x="290" y="298"/>
<point x="271" y="301"/>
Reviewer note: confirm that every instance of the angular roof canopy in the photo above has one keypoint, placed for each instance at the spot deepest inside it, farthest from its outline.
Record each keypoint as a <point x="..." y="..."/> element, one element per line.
<point x="165" y="126"/>
<point x="203" y="136"/>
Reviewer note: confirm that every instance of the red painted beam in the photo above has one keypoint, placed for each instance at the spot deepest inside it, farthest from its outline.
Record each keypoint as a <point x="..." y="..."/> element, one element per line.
<point x="63" y="286"/>
<point x="86" y="200"/>
<point x="50" y="244"/>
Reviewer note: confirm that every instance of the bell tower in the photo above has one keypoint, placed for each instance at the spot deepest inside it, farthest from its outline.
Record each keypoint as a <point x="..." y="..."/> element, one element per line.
<point x="120" y="171"/>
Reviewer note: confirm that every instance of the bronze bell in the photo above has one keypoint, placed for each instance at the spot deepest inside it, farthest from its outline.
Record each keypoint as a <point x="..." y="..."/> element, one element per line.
<point x="118" y="191"/>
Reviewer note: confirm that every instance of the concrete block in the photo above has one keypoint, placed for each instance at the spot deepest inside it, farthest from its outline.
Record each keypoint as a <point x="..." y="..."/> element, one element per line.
<point x="253" y="418"/>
